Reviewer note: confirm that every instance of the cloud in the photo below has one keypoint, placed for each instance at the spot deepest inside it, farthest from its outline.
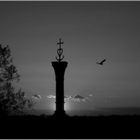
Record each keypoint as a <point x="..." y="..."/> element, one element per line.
<point x="79" y="98"/>
<point x="36" y="97"/>
<point x="90" y="95"/>
<point x="51" y="96"/>
<point x="67" y="98"/>
<point x="76" y="98"/>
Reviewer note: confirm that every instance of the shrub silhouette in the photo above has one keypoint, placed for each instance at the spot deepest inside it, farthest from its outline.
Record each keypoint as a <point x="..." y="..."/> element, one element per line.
<point x="11" y="101"/>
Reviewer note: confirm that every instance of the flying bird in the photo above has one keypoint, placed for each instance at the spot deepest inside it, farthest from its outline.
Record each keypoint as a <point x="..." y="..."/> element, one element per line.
<point x="101" y="63"/>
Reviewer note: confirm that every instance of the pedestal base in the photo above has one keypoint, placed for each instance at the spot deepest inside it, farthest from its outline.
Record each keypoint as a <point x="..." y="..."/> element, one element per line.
<point x="60" y="114"/>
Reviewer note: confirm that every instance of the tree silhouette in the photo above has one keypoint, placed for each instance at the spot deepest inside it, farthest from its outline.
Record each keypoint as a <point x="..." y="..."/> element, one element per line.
<point x="11" y="101"/>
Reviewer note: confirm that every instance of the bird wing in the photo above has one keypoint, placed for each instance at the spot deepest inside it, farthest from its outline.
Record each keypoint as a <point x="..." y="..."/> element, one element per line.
<point x="103" y="60"/>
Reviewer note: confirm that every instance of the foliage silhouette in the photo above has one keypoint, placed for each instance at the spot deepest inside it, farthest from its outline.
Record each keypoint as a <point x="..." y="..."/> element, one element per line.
<point x="11" y="101"/>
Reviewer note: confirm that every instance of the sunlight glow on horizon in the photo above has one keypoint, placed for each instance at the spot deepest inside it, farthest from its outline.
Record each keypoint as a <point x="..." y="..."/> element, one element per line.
<point x="67" y="106"/>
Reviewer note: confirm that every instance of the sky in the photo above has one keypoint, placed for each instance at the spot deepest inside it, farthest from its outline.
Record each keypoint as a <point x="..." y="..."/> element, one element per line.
<point x="91" y="31"/>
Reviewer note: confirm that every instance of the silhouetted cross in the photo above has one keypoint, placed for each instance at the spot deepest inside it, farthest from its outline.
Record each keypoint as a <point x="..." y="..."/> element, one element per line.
<point x="59" y="43"/>
<point x="60" y="51"/>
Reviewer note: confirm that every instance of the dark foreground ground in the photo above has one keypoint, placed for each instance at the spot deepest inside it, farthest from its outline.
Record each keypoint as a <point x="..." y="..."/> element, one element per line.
<point x="70" y="127"/>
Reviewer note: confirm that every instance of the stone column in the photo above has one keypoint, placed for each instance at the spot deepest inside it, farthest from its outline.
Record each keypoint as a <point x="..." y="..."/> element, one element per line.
<point x="59" y="68"/>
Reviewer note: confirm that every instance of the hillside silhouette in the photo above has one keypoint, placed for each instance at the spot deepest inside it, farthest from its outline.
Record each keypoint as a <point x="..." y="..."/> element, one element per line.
<point x="43" y="126"/>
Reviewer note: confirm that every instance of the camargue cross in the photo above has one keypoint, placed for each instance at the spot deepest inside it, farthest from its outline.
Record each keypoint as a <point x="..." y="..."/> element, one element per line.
<point x="60" y="51"/>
